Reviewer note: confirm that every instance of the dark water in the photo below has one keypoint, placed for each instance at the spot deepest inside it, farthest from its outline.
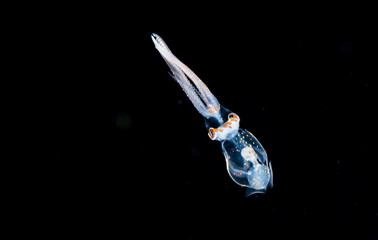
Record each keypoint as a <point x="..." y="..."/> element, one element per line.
<point x="129" y="154"/>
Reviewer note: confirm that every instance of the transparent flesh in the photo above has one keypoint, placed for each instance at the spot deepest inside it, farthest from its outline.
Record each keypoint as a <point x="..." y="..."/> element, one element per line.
<point x="247" y="161"/>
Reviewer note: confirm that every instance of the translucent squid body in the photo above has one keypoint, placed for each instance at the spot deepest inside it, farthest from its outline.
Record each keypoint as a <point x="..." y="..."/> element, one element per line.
<point x="246" y="160"/>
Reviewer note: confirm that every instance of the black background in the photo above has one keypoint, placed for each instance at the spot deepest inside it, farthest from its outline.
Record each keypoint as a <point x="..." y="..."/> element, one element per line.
<point x="126" y="152"/>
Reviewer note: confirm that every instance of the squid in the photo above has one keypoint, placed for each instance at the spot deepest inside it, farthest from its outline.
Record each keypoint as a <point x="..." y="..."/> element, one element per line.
<point x="246" y="160"/>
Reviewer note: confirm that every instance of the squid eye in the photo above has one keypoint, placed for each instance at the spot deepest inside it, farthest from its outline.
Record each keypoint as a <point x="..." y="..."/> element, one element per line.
<point x="233" y="116"/>
<point x="212" y="133"/>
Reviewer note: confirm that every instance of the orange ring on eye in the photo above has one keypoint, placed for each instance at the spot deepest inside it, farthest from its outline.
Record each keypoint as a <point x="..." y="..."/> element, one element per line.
<point x="212" y="133"/>
<point x="233" y="116"/>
